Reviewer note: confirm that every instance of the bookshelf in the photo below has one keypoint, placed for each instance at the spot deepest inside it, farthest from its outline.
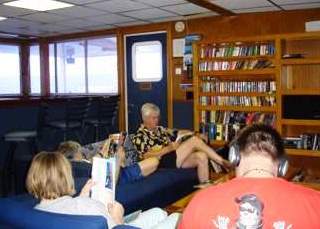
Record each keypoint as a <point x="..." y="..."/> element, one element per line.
<point x="226" y="75"/>
<point x="235" y="83"/>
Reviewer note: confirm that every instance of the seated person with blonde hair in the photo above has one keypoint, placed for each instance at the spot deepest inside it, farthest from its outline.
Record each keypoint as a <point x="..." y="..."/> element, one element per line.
<point x="125" y="174"/>
<point x="50" y="180"/>
<point x="152" y="140"/>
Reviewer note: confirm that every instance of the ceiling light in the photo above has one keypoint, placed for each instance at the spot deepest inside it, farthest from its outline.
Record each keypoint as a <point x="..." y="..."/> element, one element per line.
<point x="2" y="18"/>
<point x="39" y="5"/>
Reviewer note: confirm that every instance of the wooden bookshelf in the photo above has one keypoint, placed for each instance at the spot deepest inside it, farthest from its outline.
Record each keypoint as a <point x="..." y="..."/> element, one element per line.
<point x="303" y="152"/>
<point x="293" y="77"/>
<point x="300" y="122"/>
<point x="218" y="143"/>
<point x="248" y="62"/>
<point x="300" y="61"/>
<point x="300" y="77"/>
<point x="301" y="91"/>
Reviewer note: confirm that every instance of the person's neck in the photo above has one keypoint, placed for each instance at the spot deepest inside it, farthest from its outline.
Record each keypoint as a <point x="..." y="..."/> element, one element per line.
<point x="47" y="201"/>
<point x="256" y="165"/>
<point x="149" y="128"/>
<point x="258" y="173"/>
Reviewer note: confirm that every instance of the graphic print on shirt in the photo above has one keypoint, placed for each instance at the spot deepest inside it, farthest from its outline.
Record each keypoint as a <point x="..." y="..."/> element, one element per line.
<point x="250" y="215"/>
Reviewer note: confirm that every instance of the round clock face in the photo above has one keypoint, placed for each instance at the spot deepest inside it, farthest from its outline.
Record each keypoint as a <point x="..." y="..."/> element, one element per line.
<point x="179" y="26"/>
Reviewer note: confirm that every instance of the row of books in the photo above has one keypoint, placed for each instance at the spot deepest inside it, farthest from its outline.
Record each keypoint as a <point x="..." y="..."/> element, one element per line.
<point x="228" y="129"/>
<point x="304" y="141"/>
<point x="233" y="50"/>
<point x="238" y="100"/>
<point x="237" y="117"/>
<point x="234" y="65"/>
<point x="212" y="84"/>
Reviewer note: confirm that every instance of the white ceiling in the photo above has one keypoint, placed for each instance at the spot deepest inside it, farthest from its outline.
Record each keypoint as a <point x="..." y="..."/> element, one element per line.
<point x="89" y="15"/>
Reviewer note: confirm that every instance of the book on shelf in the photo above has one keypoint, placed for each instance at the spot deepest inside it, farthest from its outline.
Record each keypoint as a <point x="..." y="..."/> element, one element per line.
<point x="205" y="66"/>
<point x="237" y="49"/>
<point x="224" y="125"/>
<point x="246" y="101"/>
<point x="305" y="141"/>
<point x="213" y="84"/>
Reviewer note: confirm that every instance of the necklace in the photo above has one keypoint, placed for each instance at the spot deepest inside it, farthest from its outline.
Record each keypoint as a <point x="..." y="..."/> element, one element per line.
<point x="260" y="171"/>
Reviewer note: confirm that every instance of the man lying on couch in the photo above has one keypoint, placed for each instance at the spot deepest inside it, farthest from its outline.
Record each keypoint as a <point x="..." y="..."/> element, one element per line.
<point x="127" y="174"/>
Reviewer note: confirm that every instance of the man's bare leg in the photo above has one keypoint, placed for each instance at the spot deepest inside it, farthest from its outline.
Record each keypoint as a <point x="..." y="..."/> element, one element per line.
<point x="196" y="144"/>
<point x="148" y="166"/>
<point x="198" y="160"/>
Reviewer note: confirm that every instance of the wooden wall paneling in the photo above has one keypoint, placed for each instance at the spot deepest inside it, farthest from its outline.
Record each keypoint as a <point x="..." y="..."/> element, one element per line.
<point x="25" y="68"/>
<point x="278" y="83"/>
<point x="44" y="67"/>
<point x="179" y="94"/>
<point x="121" y="81"/>
<point x="253" y="24"/>
<point x="73" y="36"/>
<point x="195" y="88"/>
<point x="170" y="76"/>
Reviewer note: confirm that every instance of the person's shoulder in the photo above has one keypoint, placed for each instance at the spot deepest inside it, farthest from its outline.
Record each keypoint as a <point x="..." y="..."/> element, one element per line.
<point x="214" y="190"/>
<point x="299" y="189"/>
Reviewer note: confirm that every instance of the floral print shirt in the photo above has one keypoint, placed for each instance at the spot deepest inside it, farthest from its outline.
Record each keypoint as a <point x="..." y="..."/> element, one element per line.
<point x="146" y="140"/>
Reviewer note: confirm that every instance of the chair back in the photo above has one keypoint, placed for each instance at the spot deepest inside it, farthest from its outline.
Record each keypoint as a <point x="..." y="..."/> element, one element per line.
<point x="108" y="109"/>
<point x="77" y="110"/>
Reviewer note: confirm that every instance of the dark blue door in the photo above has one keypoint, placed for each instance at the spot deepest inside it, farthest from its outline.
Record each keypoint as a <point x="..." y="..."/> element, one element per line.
<point x="144" y="89"/>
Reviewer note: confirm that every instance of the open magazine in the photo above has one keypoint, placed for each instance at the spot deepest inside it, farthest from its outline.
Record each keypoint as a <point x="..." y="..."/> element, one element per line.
<point x="104" y="170"/>
<point x="104" y="176"/>
<point x="184" y="137"/>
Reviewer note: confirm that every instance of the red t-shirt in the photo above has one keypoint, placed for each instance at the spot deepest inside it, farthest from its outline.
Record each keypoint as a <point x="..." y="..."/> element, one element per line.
<point x="253" y="203"/>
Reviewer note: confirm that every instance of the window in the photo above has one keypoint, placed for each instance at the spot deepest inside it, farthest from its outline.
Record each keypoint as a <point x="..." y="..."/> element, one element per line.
<point x="147" y="61"/>
<point x="52" y="68"/>
<point x="10" y="70"/>
<point x="102" y="65"/>
<point x="84" y="66"/>
<point x="35" y="80"/>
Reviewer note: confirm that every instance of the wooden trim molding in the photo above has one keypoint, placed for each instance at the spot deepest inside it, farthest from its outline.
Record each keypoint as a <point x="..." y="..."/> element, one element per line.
<point x="25" y="69"/>
<point x="213" y="7"/>
<point x="121" y="82"/>
<point x="44" y="68"/>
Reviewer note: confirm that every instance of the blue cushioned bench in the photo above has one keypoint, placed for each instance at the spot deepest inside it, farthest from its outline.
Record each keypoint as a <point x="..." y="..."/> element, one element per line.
<point x="157" y="190"/>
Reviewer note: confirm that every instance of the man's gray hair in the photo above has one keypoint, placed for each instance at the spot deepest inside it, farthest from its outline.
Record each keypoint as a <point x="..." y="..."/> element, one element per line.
<point x="148" y="108"/>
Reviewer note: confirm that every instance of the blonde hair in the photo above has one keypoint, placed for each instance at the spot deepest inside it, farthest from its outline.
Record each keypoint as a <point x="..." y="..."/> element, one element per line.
<point x="147" y="108"/>
<point x="69" y="149"/>
<point x="50" y="176"/>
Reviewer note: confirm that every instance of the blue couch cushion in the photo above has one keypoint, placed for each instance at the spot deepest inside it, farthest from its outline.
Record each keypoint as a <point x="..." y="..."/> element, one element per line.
<point x="20" y="214"/>
<point x="157" y="190"/>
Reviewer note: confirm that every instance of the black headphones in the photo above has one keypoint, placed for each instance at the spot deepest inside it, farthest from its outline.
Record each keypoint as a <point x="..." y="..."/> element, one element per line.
<point x="235" y="157"/>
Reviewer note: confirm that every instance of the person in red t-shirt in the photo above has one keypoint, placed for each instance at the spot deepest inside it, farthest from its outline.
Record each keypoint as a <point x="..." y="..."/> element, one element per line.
<point x="256" y="198"/>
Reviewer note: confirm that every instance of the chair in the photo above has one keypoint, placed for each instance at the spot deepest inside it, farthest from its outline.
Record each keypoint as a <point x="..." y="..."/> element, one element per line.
<point x="106" y="116"/>
<point x="14" y="139"/>
<point x="75" y="112"/>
